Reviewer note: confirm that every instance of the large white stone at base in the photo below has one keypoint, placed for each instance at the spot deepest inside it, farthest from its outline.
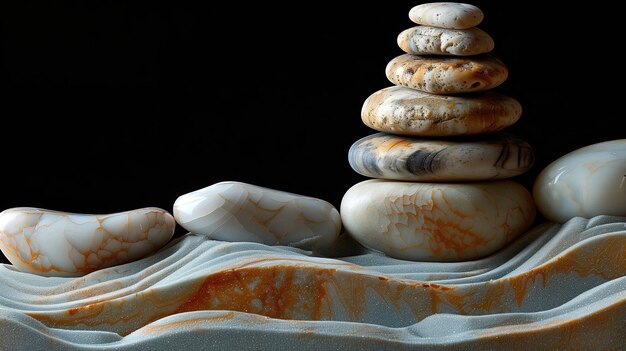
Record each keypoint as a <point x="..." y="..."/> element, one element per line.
<point x="233" y="211"/>
<point x="587" y="182"/>
<point x="436" y="221"/>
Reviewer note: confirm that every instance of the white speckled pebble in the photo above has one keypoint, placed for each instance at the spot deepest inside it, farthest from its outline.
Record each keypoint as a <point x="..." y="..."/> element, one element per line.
<point x="447" y="15"/>
<point x="422" y="40"/>
<point x="586" y="182"/>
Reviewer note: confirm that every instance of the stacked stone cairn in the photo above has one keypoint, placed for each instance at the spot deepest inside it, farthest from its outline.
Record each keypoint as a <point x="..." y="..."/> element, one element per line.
<point x="439" y="161"/>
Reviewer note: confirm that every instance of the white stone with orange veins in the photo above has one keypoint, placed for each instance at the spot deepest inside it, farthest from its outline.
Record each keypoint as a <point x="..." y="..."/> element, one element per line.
<point x="233" y="211"/>
<point x="52" y="243"/>
<point x="436" y="222"/>
<point x="446" y="15"/>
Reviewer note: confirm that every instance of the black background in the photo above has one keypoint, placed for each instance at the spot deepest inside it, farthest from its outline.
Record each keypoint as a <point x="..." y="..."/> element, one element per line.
<point x="115" y="105"/>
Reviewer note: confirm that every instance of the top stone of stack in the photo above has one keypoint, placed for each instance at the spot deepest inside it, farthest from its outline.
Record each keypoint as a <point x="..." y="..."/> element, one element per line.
<point x="450" y="15"/>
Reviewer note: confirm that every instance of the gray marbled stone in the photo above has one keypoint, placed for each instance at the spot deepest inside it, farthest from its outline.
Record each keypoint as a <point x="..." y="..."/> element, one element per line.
<point x="388" y="156"/>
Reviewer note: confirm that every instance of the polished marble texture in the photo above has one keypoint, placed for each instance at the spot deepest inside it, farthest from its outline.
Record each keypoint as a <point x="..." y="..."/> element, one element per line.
<point x="53" y="243"/>
<point x="586" y="182"/>
<point x="388" y="156"/>
<point x="436" y="221"/>
<point x="234" y="211"/>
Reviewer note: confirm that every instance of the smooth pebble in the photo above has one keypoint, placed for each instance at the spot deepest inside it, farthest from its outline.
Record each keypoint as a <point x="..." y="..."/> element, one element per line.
<point x="586" y="182"/>
<point x="435" y="221"/>
<point x="233" y="211"/>
<point x="396" y="157"/>
<point x="447" y="15"/>
<point x="52" y="243"/>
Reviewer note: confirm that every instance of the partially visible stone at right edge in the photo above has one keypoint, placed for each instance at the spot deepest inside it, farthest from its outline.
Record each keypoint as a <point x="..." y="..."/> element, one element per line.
<point x="440" y="156"/>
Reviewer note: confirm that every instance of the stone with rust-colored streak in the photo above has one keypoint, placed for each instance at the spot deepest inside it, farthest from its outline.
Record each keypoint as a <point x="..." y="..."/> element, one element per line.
<point x="234" y="211"/>
<point x="396" y="157"/>
<point x="446" y="74"/>
<point x="405" y="111"/>
<point x="423" y="40"/>
<point x="436" y="222"/>
<point x="52" y="243"/>
<point x="447" y="15"/>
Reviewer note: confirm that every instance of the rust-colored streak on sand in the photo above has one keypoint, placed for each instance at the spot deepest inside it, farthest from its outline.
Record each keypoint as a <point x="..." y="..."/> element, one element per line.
<point x="271" y="292"/>
<point x="289" y="288"/>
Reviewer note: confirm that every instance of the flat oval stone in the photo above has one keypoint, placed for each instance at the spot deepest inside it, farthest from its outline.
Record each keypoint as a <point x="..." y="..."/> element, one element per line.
<point x="52" y="243"/>
<point x="405" y="111"/>
<point x="396" y="157"/>
<point x="445" y="74"/>
<point x="424" y="40"/>
<point x="587" y="182"/>
<point x="233" y="211"/>
<point x="446" y="15"/>
<point x="436" y="222"/>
